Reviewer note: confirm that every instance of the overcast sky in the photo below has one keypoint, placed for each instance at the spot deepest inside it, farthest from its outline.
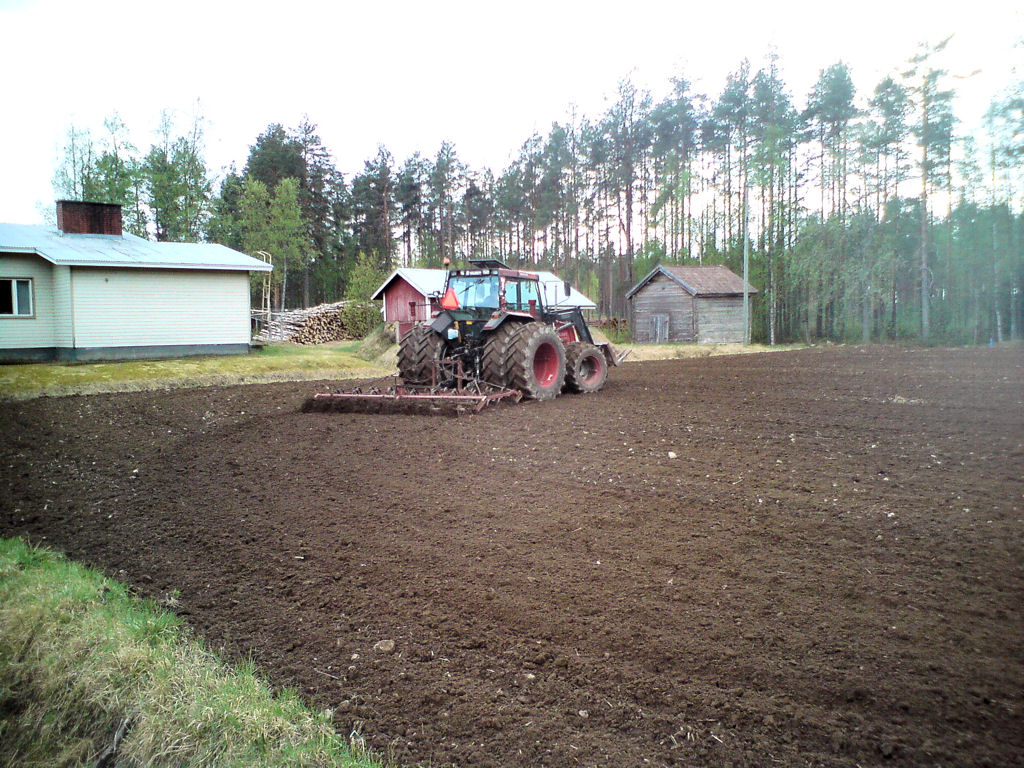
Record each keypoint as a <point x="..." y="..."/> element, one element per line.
<point x="409" y="75"/>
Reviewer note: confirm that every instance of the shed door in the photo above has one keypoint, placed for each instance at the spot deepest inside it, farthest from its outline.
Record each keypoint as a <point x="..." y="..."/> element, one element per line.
<point x="659" y="329"/>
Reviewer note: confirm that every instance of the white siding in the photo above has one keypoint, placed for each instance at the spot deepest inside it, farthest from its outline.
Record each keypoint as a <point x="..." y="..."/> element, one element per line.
<point x="63" y="325"/>
<point x="38" y="330"/>
<point x="155" y="307"/>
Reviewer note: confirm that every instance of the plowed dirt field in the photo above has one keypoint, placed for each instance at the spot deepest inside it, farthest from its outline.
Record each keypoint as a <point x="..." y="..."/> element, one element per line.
<point x="802" y="558"/>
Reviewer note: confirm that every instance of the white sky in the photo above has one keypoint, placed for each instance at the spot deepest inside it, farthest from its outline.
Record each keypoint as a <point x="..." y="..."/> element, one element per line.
<point x="409" y="74"/>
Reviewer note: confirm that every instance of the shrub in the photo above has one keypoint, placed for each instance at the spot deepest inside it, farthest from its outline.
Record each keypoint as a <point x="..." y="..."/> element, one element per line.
<point x="359" y="318"/>
<point x="376" y="343"/>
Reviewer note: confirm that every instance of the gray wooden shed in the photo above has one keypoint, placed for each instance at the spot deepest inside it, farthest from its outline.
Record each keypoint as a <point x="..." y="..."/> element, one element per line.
<point x="687" y="305"/>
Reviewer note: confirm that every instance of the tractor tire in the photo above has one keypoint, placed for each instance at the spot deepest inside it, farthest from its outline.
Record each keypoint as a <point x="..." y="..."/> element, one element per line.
<point x="497" y="348"/>
<point x="418" y="354"/>
<point x="586" y="369"/>
<point x="536" y="362"/>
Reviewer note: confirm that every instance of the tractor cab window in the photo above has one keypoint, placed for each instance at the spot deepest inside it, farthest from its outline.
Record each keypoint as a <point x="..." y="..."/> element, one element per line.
<point x="519" y="294"/>
<point x="480" y="291"/>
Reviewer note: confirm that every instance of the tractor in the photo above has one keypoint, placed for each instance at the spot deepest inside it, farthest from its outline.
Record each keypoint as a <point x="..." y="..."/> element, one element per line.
<point x="492" y="337"/>
<point x="494" y="325"/>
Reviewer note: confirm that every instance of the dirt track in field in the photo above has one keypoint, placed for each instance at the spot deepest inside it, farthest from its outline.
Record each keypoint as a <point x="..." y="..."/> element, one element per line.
<point x="829" y="572"/>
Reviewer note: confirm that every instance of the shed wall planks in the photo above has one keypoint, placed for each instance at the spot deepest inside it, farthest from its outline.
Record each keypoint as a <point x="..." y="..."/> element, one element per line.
<point x="720" y="320"/>
<point x="397" y="298"/>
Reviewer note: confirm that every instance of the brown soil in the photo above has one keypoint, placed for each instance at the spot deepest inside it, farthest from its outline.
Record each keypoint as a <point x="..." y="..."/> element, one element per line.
<point x="829" y="572"/>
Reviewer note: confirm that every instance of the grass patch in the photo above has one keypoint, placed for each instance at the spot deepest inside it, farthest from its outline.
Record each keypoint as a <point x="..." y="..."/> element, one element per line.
<point x="82" y="660"/>
<point x="276" y="362"/>
<point x="376" y="343"/>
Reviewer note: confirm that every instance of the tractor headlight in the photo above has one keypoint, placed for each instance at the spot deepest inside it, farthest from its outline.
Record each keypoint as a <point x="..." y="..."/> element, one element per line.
<point x="453" y="332"/>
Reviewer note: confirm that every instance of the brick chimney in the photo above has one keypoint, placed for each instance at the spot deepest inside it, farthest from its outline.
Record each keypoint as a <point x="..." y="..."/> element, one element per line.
<point x="76" y="217"/>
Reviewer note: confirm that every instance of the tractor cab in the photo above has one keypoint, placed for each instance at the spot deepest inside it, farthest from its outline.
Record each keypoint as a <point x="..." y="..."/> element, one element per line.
<point x="491" y="287"/>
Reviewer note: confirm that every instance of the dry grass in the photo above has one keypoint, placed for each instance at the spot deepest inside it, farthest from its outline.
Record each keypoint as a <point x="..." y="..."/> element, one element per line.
<point x="641" y="352"/>
<point x="278" y="362"/>
<point x="81" y="660"/>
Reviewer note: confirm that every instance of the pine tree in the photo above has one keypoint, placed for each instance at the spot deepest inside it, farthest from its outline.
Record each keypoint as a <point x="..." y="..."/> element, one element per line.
<point x="933" y="129"/>
<point x="410" y="183"/>
<point x="674" y="128"/>
<point x="773" y="121"/>
<point x="446" y="185"/>
<point x="629" y="138"/>
<point x="275" y="155"/>
<point x="373" y="207"/>
<point x="224" y="226"/>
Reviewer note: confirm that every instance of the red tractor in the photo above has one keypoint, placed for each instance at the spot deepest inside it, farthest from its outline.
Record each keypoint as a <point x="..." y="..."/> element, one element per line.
<point x="494" y="326"/>
<point x="492" y="338"/>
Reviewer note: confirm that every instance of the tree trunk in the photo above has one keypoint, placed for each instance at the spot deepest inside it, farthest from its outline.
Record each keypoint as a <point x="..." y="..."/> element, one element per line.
<point x="865" y="318"/>
<point x="629" y="233"/>
<point x="284" y="287"/>
<point x="925" y="287"/>
<point x="1015" y="289"/>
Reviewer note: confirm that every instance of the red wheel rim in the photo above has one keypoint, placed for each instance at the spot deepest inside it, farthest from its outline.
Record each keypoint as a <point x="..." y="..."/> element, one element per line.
<point x="545" y="364"/>
<point x="591" y="367"/>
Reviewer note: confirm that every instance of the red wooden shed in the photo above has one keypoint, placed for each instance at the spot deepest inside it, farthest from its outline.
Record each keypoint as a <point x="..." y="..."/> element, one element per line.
<point x="406" y="295"/>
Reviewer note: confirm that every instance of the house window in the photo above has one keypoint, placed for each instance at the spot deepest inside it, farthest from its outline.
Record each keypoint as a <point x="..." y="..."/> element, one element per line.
<point x="16" y="297"/>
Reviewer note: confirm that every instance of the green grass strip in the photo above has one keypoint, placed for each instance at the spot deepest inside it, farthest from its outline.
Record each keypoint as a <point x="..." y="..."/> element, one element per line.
<point x="276" y="362"/>
<point x="81" y="659"/>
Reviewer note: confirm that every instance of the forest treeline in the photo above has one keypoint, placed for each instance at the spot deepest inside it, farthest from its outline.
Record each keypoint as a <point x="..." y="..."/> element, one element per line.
<point x="869" y="215"/>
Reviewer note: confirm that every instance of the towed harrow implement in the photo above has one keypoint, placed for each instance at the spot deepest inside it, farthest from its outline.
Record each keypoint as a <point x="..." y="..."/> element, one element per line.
<point x="391" y="395"/>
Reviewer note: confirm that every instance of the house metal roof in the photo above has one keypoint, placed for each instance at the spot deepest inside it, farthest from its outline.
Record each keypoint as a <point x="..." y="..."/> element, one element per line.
<point x="553" y="287"/>
<point x="431" y="281"/>
<point x="122" y="251"/>
<point x="698" y="281"/>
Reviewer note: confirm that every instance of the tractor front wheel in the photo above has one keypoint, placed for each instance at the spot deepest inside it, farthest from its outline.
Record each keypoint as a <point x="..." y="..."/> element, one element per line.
<point x="586" y="369"/>
<point x="419" y="351"/>
<point x="536" y="364"/>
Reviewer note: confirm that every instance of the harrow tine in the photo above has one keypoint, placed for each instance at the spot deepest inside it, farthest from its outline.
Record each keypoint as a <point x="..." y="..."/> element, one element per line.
<point x="407" y="399"/>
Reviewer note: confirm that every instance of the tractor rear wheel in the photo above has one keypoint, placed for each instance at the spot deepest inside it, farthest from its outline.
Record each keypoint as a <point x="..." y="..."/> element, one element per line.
<point x="586" y="369"/>
<point x="419" y="351"/>
<point x="536" y="363"/>
<point x="496" y="354"/>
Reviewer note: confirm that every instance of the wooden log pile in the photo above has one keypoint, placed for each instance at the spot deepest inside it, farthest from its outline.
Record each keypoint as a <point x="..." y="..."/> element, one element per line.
<point x="312" y="325"/>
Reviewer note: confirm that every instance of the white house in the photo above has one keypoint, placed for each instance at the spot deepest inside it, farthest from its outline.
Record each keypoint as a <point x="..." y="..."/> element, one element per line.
<point x="86" y="291"/>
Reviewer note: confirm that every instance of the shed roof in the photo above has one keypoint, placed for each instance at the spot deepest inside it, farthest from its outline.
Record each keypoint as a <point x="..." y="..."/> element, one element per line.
<point x="122" y="251"/>
<point x="698" y="281"/>
<point x="426" y="281"/>
<point x="431" y="281"/>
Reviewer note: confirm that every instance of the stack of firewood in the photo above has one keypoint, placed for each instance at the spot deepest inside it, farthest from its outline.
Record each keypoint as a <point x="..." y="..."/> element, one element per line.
<point x="313" y="325"/>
